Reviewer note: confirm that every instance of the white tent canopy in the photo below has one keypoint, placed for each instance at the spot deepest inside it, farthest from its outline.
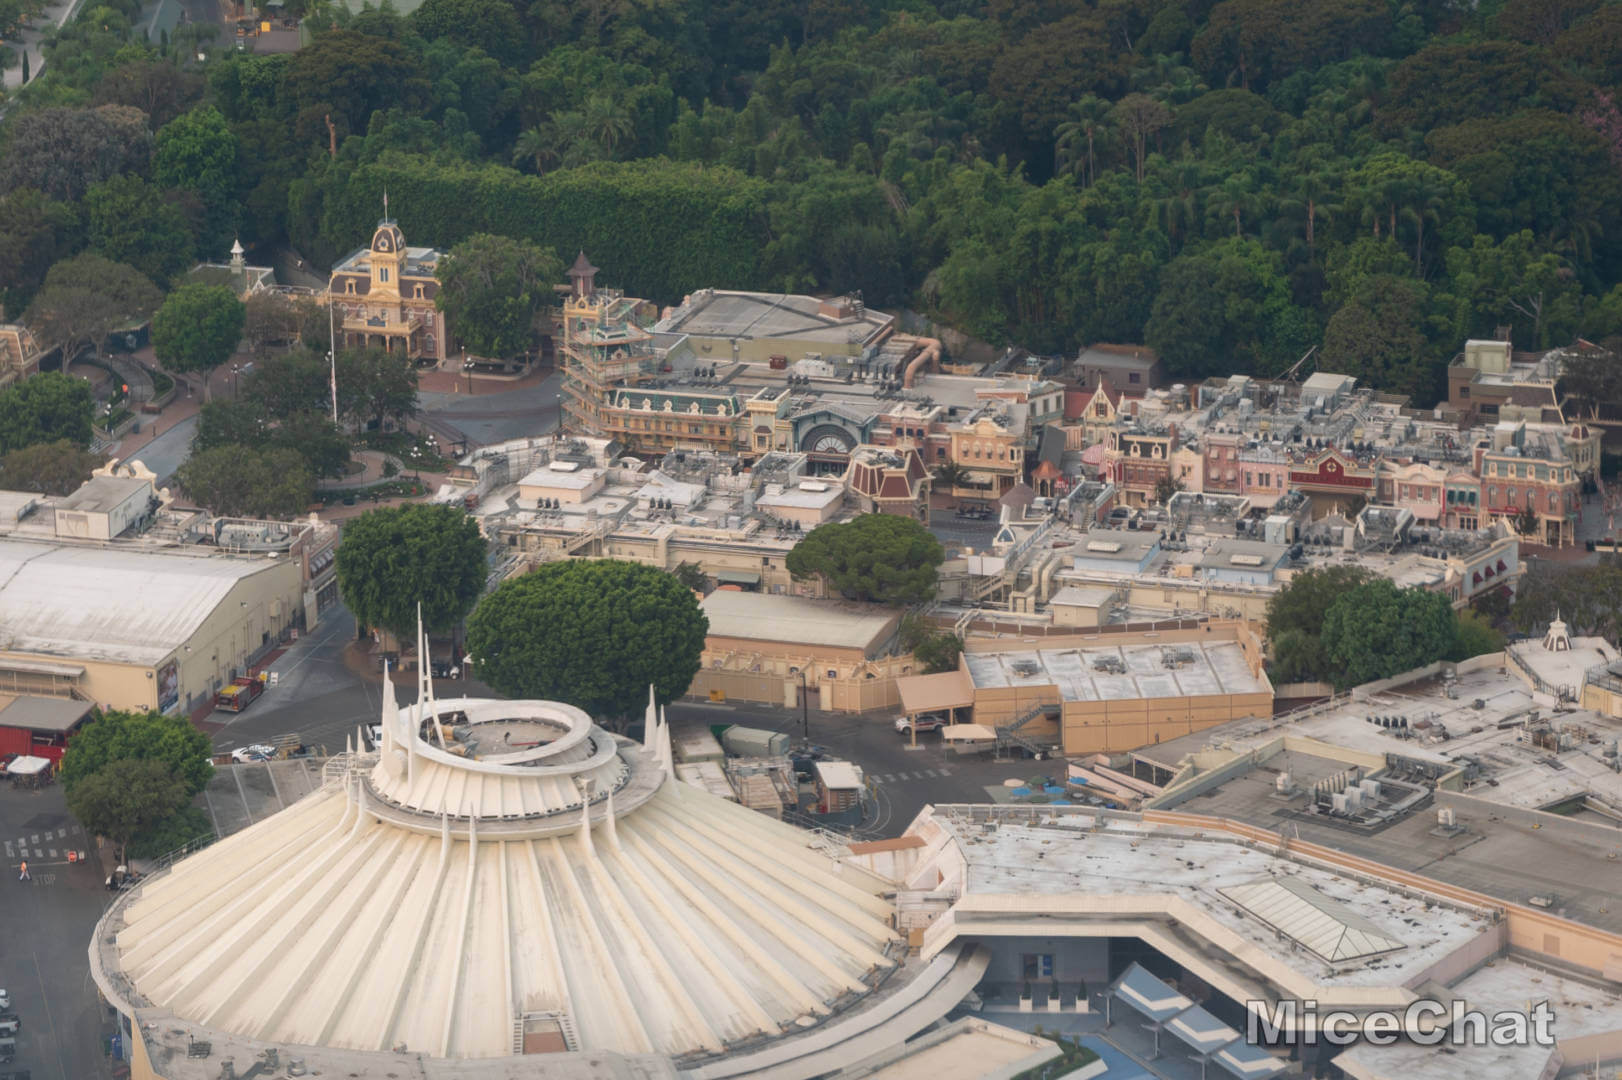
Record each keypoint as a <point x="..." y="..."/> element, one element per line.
<point x="968" y="733"/>
<point x="28" y="766"/>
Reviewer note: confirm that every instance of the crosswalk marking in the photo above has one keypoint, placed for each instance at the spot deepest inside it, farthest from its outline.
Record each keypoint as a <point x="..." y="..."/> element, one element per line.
<point x="53" y="853"/>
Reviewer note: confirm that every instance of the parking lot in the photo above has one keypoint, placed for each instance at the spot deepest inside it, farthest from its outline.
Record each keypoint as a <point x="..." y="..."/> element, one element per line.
<point x="45" y="929"/>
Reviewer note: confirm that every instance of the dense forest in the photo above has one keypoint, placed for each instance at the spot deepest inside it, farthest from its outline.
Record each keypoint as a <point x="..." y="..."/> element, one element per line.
<point x="1231" y="182"/>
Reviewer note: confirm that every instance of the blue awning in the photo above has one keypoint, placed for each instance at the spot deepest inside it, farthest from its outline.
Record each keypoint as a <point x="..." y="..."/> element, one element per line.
<point x="1250" y="1062"/>
<point x="1201" y="1031"/>
<point x="1149" y="995"/>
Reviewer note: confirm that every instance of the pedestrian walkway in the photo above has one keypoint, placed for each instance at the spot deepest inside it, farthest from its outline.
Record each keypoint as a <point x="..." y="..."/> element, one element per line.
<point x="57" y="13"/>
<point x="910" y="777"/>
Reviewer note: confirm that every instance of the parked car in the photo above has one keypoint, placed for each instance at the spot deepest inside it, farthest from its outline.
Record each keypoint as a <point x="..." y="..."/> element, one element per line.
<point x="5" y="998"/>
<point x="256" y="752"/>
<point x="926" y="723"/>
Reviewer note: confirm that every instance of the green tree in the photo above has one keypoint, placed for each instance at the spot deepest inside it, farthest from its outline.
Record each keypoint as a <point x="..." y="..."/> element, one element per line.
<point x="395" y="558"/>
<point x="1474" y="635"/>
<point x="35" y="231"/>
<point x="1295" y="619"/>
<point x="490" y="25"/>
<point x="347" y="76"/>
<point x="63" y="152"/>
<point x="296" y="382"/>
<point x="693" y="576"/>
<point x="1381" y="337"/>
<point x="170" y="740"/>
<point x="50" y="468"/>
<point x="197" y="152"/>
<point x="124" y="798"/>
<point x="882" y="558"/>
<point x="47" y="409"/>
<point x="197" y="328"/>
<point x="88" y="297"/>
<point x="1376" y="630"/>
<point x="375" y="385"/>
<point x="492" y="291"/>
<point x="595" y="633"/>
<point x="242" y="481"/>
<point x="131" y="221"/>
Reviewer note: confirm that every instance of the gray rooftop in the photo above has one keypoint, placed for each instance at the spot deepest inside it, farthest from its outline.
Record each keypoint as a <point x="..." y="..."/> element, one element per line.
<point x="103" y="494"/>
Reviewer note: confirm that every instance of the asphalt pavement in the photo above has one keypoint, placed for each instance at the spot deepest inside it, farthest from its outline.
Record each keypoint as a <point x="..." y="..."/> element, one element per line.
<point x="487" y="418"/>
<point x="45" y="928"/>
<point x="166" y="453"/>
<point x="316" y="696"/>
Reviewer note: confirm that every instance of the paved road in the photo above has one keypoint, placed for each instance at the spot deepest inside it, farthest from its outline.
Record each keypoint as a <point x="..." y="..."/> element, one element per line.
<point x="170" y="449"/>
<point x="323" y="701"/>
<point x="45" y="928"/>
<point x="487" y="418"/>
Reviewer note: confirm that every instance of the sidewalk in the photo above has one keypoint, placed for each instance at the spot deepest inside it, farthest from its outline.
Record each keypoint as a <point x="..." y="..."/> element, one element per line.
<point x="451" y="379"/>
<point x="57" y="13"/>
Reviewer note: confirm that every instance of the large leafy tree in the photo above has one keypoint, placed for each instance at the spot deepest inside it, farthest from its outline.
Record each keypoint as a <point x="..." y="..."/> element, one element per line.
<point x="883" y="558"/>
<point x="393" y="559"/>
<point x="1295" y="619"/>
<point x="492" y="289"/>
<point x="197" y="152"/>
<point x="127" y="797"/>
<point x="35" y="230"/>
<point x="50" y="468"/>
<point x="346" y="76"/>
<point x="594" y="633"/>
<point x="198" y="327"/>
<point x="243" y="481"/>
<point x="63" y="152"/>
<point x="87" y="297"/>
<point x="169" y="740"/>
<point x="376" y="385"/>
<point x="1376" y="630"/>
<point x="131" y="221"/>
<point x="47" y="409"/>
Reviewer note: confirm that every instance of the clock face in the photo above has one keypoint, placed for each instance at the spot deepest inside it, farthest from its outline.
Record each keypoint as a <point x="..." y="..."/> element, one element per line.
<point x="383" y="245"/>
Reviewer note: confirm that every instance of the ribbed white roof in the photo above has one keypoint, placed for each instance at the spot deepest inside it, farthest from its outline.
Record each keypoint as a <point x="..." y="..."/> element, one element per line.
<point x="106" y="603"/>
<point x="679" y="923"/>
<point x="1324" y="926"/>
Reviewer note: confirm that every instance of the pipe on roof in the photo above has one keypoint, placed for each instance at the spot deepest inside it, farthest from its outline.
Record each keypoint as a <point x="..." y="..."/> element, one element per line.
<point x="930" y="354"/>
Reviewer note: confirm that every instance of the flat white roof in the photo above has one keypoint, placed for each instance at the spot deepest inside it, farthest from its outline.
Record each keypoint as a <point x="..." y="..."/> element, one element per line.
<point x="563" y="481"/>
<point x="803" y="497"/>
<point x="1132" y="859"/>
<point x="839" y="775"/>
<point x="1092" y="674"/>
<point x="110" y="603"/>
<point x="797" y="619"/>
<point x="1078" y="596"/>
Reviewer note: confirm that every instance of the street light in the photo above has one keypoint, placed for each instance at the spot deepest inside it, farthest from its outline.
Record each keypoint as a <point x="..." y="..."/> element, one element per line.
<point x="805" y="712"/>
<point x="234" y="369"/>
<point x="467" y="370"/>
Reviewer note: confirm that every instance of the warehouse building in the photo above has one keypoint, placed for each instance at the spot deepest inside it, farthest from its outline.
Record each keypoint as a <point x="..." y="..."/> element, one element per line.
<point x="128" y="627"/>
<point x="1118" y="692"/>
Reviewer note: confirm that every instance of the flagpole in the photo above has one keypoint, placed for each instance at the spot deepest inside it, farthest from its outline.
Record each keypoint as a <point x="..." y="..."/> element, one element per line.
<point x="332" y="348"/>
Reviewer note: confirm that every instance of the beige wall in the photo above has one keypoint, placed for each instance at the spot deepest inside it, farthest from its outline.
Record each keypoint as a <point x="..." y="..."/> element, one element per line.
<point x="265" y="602"/>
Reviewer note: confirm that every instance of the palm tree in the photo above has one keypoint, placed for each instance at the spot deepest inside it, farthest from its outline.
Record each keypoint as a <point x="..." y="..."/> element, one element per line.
<point x="1234" y="199"/>
<point x="606" y="121"/>
<point x="1311" y="191"/>
<point x="534" y="145"/>
<point x="1086" y="124"/>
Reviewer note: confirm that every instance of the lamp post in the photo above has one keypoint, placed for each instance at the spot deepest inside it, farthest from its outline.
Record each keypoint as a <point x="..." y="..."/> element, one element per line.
<point x="234" y="369"/>
<point x="805" y="707"/>
<point x="467" y="372"/>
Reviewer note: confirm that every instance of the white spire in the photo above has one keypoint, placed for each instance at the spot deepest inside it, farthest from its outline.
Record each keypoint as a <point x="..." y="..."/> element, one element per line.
<point x="667" y="760"/>
<point x="390" y="720"/>
<point x="585" y="818"/>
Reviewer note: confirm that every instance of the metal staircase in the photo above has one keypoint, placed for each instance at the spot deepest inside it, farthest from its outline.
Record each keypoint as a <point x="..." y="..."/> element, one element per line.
<point x="1009" y="734"/>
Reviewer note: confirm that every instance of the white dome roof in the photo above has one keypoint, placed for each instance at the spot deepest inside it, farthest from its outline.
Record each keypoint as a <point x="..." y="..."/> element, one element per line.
<point x="449" y="903"/>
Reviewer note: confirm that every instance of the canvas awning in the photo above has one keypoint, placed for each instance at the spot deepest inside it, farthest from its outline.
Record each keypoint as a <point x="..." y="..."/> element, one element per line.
<point x="738" y="577"/>
<point x="968" y="733"/>
<point x="935" y="693"/>
<point x="28" y="765"/>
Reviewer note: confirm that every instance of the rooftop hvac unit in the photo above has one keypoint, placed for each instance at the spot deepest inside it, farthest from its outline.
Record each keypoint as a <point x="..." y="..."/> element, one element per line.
<point x="1283" y="783"/>
<point x="1446" y="818"/>
<point x="1337" y="802"/>
<point x="1370" y="789"/>
<point x="1354" y="799"/>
